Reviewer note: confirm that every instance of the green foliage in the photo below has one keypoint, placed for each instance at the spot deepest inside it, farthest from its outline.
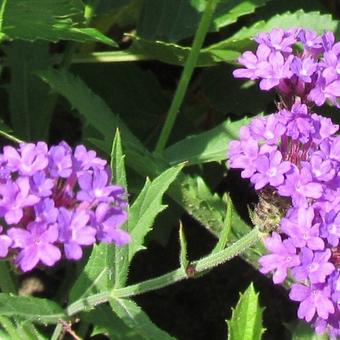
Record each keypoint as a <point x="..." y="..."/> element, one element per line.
<point x="51" y="20"/>
<point x="208" y="146"/>
<point x="242" y="39"/>
<point x="246" y="321"/>
<point x="183" y="253"/>
<point x="34" y="309"/>
<point x="147" y="206"/>
<point x="134" y="317"/>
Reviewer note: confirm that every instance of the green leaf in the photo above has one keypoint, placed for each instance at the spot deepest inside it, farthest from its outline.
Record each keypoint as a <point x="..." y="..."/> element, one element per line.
<point x="183" y="255"/>
<point x="147" y="206"/>
<point x="92" y="108"/>
<point x="300" y="330"/>
<point x="246" y="320"/>
<point x="28" y="95"/>
<point x="105" y="321"/>
<point x="121" y="254"/>
<point x="242" y="39"/>
<point x="50" y="20"/>
<point x="208" y="146"/>
<point x="225" y="232"/>
<point x="178" y="19"/>
<point x="135" y="318"/>
<point x="172" y="53"/>
<point x="98" y="274"/>
<point x="31" y="308"/>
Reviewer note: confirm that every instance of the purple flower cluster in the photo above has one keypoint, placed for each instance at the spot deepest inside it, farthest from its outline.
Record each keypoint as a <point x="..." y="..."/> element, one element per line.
<point x="294" y="154"/>
<point x="54" y="201"/>
<point x="295" y="62"/>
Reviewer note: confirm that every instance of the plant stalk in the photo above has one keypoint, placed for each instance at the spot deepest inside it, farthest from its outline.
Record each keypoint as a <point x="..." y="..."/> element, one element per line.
<point x="186" y="75"/>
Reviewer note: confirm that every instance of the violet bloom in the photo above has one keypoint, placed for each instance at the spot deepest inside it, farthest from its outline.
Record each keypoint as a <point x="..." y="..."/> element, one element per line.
<point x="278" y="39"/>
<point x="303" y="68"/>
<point x="270" y="170"/>
<point x="109" y="220"/>
<point x="314" y="299"/>
<point x="36" y="245"/>
<point x="314" y="265"/>
<point x="299" y="227"/>
<point x="5" y="243"/>
<point x="282" y="258"/>
<point x="268" y="128"/>
<point x="15" y="197"/>
<point x="75" y="232"/>
<point x="60" y="161"/>
<point x="30" y="158"/>
<point x="330" y="228"/>
<point x="273" y="70"/>
<point x="300" y="186"/>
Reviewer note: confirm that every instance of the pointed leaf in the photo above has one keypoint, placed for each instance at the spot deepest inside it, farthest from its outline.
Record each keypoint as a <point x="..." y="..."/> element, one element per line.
<point x="225" y="232"/>
<point x="98" y="274"/>
<point x="121" y="254"/>
<point x="31" y="308"/>
<point x="135" y="318"/>
<point x="207" y="146"/>
<point x="242" y="39"/>
<point x="183" y="256"/>
<point x="147" y="206"/>
<point x="51" y="20"/>
<point x="246" y="320"/>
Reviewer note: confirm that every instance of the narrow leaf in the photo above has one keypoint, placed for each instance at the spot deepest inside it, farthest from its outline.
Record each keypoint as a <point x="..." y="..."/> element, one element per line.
<point x="183" y="256"/>
<point x="51" y="20"/>
<point x="207" y="146"/>
<point x="242" y="39"/>
<point x="135" y="318"/>
<point x="246" y="320"/>
<point x="225" y="233"/>
<point x="98" y="274"/>
<point x="147" y="206"/>
<point x="31" y="308"/>
<point x="121" y="254"/>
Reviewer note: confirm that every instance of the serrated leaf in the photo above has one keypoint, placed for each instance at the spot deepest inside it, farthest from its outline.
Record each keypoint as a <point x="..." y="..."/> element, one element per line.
<point x="246" y="320"/>
<point x="172" y="53"/>
<point x="98" y="274"/>
<point x="183" y="255"/>
<point x="31" y="308"/>
<point x="242" y="39"/>
<point x="208" y="146"/>
<point x="50" y="20"/>
<point x="121" y="254"/>
<point x="225" y="232"/>
<point x="105" y="321"/>
<point x="134" y="317"/>
<point x="178" y="19"/>
<point x="147" y="206"/>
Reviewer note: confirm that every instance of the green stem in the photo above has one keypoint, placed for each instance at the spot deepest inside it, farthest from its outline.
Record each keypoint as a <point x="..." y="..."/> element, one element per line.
<point x="167" y="279"/>
<point x="7" y="284"/>
<point x="107" y="57"/>
<point x="10" y="137"/>
<point x="199" y="266"/>
<point x="186" y="75"/>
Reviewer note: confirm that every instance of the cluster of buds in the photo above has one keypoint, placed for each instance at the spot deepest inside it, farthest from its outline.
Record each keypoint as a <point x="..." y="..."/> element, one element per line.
<point x="292" y="157"/>
<point x="54" y="201"/>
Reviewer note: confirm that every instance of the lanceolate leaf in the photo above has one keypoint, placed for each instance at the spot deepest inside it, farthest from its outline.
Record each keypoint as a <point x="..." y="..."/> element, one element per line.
<point x="246" y="321"/>
<point x="31" y="308"/>
<point x="147" y="206"/>
<point x="135" y="318"/>
<point x="121" y="254"/>
<point x="242" y="39"/>
<point x="51" y="20"/>
<point x="207" y="146"/>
